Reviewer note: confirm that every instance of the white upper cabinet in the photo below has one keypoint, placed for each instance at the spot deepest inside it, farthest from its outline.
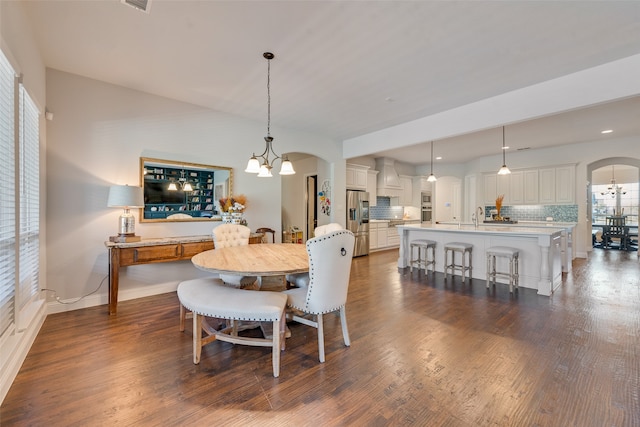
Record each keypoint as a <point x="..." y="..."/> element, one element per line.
<point x="356" y="178"/>
<point x="551" y="185"/>
<point x="406" y="194"/>
<point x="530" y="186"/>
<point x="524" y="187"/>
<point x="372" y="186"/>
<point x="547" y="189"/>
<point x="490" y="192"/>
<point x="565" y="184"/>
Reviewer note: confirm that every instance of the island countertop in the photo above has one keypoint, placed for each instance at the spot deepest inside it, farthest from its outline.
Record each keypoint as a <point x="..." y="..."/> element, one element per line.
<point x="540" y="249"/>
<point x="511" y="229"/>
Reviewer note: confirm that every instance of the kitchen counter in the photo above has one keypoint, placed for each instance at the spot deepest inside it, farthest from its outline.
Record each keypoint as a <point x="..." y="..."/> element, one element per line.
<point x="540" y="249"/>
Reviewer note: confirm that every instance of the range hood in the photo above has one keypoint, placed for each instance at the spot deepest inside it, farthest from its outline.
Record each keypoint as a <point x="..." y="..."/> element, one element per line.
<point x="388" y="184"/>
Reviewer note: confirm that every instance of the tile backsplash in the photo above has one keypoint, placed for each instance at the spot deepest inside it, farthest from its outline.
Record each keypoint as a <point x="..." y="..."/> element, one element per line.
<point x="384" y="210"/>
<point x="559" y="213"/>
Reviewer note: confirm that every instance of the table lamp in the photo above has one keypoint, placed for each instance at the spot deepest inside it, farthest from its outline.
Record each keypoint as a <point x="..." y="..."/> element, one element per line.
<point x="126" y="197"/>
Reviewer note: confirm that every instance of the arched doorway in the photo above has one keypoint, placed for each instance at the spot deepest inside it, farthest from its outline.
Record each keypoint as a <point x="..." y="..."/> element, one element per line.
<point x="606" y="194"/>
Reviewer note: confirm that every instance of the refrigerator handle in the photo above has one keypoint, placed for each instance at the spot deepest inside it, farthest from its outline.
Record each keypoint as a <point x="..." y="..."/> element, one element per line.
<point x="352" y="214"/>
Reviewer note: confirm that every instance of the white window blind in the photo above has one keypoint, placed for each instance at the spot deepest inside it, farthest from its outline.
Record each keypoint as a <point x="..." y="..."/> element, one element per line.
<point x="7" y="196"/>
<point x="29" y="168"/>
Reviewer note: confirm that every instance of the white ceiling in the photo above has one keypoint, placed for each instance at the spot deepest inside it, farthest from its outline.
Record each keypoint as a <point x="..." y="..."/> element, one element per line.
<point x="348" y="68"/>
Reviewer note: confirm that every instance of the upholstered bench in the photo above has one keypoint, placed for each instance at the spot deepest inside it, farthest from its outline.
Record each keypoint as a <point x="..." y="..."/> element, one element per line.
<point x="210" y="297"/>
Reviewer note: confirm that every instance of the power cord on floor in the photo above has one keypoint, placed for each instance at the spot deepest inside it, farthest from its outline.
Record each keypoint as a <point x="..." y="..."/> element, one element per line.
<point x="55" y="294"/>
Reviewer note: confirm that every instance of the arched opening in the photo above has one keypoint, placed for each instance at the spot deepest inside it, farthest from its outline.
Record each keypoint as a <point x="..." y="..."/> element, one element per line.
<point x="613" y="196"/>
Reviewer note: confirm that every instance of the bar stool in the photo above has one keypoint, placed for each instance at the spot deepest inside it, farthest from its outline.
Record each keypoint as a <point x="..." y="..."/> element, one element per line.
<point x="505" y="252"/>
<point x="423" y="263"/>
<point x="463" y="248"/>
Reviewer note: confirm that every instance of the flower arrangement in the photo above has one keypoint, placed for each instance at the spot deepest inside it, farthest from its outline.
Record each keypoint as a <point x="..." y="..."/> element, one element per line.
<point x="233" y="204"/>
<point x="499" y="200"/>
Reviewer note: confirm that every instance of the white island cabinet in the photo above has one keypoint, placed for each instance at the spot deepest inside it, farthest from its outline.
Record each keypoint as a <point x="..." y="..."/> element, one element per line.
<point x="540" y="250"/>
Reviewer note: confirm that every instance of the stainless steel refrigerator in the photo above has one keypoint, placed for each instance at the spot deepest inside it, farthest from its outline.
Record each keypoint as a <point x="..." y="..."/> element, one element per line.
<point x="358" y="220"/>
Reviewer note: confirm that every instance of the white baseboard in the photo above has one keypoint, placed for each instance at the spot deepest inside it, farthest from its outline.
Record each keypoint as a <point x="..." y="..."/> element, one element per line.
<point x="102" y="299"/>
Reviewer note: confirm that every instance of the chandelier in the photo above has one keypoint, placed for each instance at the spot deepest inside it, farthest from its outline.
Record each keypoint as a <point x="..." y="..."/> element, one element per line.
<point x="613" y="189"/>
<point x="253" y="166"/>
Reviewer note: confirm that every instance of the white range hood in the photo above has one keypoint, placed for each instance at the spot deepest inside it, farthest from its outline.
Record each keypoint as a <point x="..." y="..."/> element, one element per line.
<point x="388" y="184"/>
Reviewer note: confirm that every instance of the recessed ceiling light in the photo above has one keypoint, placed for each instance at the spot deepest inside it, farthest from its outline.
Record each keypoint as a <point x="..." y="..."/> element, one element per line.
<point x="439" y="158"/>
<point x="607" y="131"/>
<point x="505" y="148"/>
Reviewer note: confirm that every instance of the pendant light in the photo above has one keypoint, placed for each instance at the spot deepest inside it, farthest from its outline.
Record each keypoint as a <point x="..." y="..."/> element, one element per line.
<point x="504" y="170"/>
<point x="432" y="177"/>
<point x="253" y="166"/>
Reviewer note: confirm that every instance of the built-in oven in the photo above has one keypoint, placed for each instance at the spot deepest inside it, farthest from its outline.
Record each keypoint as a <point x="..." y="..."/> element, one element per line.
<point x="426" y="199"/>
<point x="426" y="213"/>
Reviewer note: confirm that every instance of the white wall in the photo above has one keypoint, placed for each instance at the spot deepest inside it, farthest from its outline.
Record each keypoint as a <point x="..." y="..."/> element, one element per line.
<point x="96" y="139"/>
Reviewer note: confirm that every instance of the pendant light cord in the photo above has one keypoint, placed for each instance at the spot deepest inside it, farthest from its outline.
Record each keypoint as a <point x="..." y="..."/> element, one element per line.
<point x="268" y="97"/>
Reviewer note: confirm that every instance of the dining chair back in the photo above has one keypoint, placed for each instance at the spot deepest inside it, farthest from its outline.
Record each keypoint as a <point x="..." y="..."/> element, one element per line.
<point x="330" y="258"/>
<point x="301" y="280"/>
<point x="227" y="235"/>
<point x="264" y="231"/>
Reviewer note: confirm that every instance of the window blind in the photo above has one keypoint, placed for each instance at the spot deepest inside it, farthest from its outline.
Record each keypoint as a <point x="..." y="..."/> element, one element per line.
<point x="29" y="152"/>
<point x="7" y="196"/>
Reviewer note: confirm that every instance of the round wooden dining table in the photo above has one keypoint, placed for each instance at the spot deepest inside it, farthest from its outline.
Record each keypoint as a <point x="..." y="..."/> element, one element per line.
<point x="261" y="260"/>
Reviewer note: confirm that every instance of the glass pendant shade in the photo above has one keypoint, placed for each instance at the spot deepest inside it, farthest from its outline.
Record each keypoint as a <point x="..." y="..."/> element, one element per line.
<point x="287" y="167"/>
<point x="187" y="187"/>
<point x="173" y="187"/>
<point x="504" y="170"/>
<point x="265" y="171"/>
<point x="432" y="178"/>
<point x="253" y="166"/>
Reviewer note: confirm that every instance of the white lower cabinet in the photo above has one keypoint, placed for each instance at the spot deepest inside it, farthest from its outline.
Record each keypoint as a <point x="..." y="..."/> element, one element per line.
<point x="393" y="238"/>
<point x="373" y="235"/>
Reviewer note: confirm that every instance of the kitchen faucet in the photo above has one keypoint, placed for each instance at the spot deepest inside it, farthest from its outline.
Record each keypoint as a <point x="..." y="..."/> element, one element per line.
<point x="476" y="216"/>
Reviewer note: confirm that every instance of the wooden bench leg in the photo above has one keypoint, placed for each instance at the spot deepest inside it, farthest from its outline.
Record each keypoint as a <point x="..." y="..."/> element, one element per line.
<point x="275" y="349"/>
<point x="197" y="338"/>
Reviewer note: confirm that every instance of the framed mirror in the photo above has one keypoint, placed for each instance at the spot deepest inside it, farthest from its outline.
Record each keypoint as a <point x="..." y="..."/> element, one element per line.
<point x="181" y="191"/>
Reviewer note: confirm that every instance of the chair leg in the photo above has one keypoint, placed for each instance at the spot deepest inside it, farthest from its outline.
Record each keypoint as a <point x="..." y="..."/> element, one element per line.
<point x="183" y="315"/>
<point x="320" y="322"/>
<point x="345" y="331"/>
<point x="275" y="349"/>
<point x="197" y="338"/>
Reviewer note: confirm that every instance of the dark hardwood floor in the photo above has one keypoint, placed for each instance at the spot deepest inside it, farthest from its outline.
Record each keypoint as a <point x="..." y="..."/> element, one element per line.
<point x="423" y="352"/>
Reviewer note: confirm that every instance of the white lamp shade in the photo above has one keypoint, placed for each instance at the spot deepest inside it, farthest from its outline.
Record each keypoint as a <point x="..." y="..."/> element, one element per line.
<point x="432" y="178"/>
<point x="265" y="172"/>
<point x="125" y="196"/>
<point x="253" y="166"/>
<point x="287" y="168"/>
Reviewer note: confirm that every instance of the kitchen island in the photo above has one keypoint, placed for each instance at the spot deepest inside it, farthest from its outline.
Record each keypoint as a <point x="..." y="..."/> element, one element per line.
<point x="540" y="250"/>
<point x="566" y="242"/>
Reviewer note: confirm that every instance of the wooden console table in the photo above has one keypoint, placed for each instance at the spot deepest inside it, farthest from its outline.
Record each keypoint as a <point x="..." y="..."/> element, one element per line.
<point x="149" y="251"/>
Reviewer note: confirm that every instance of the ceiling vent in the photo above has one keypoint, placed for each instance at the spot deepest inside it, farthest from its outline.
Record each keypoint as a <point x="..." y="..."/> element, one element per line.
<point x="143" y="5"/>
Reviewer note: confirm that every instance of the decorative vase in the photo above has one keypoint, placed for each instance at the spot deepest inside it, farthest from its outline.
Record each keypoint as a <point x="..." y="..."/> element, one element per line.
<point x="226" y="218"/>
<point x="236" y="217"/>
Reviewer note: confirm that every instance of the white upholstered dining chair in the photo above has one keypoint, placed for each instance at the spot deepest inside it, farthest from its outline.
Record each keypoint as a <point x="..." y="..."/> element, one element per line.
<point x="330" y="258"/>
<point x="301" y="280"/>
<point x="227" y="235"/>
